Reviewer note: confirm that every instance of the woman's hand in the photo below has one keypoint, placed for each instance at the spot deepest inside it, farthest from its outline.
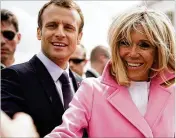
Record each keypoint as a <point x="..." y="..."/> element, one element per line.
<point x="20" y="126"/>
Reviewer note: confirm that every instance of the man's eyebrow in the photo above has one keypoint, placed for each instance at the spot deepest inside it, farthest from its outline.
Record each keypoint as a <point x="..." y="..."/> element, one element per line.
<point x="51" y="22"/>
<point x="72" y="25"/>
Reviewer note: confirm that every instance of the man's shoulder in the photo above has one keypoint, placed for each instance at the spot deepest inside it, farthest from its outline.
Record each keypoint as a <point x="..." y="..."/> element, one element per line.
<point x="21" y="68"/>
<point x="27" y="66"/>
<point x="91" y="73"/>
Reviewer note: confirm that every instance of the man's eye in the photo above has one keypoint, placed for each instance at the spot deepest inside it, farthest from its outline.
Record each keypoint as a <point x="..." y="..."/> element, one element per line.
<point x="51" y="26"/>
<point x="69" y="27"/>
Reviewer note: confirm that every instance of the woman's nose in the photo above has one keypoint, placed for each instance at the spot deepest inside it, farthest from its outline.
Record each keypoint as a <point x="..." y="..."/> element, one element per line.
<point x="134" y="51"/>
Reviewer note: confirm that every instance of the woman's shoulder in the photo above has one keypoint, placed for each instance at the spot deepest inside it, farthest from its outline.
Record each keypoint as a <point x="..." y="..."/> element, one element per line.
<point x="166" y="79"/>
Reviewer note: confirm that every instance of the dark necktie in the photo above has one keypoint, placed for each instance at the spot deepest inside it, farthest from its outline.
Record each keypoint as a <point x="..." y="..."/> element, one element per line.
<point x="66" y="89"/>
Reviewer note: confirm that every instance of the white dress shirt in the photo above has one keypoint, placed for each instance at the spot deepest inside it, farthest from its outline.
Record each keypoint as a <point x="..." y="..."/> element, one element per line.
<point x="55" y="71"/>
<point x="139" y="92"/>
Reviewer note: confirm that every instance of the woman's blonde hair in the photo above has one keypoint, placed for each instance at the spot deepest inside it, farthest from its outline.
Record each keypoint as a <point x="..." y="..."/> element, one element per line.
<point x="159" y="31"/>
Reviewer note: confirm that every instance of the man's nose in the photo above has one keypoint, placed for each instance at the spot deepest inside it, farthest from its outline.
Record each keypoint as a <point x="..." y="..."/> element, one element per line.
<point x="71" y="64"/>
<point x="60" y="32"/>
<point x="2" y="40"/>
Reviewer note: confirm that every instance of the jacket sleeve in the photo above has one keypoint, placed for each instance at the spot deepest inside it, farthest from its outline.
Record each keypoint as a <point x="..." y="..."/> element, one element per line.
<point x="77" y="116"/>
<point x="12" y="99"/>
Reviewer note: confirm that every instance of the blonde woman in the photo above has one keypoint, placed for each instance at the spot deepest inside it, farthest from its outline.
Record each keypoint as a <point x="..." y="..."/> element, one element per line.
<point x="134" y="97"/>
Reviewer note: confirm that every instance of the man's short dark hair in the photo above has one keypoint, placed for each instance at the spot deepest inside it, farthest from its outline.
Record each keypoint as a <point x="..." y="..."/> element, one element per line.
<point x="8" y="17"/>
<point x="69" y="4"/>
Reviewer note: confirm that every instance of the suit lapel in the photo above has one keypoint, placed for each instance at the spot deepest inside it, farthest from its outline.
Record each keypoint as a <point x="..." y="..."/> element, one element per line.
<point x="120" y="99"/>
<point x="75" y="80"/>
<point x="48" y="86"/>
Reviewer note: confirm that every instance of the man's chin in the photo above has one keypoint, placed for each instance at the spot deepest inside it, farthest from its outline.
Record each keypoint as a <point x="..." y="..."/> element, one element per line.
<point x="3" y="58"/>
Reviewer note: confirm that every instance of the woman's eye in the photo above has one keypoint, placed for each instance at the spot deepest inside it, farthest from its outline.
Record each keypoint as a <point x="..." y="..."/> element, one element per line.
<point x="144" y="45"/>
<point x="124" y="43"/>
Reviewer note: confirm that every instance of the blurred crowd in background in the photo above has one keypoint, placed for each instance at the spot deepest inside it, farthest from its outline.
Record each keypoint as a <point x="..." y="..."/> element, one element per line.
<point x="98" y="16"/>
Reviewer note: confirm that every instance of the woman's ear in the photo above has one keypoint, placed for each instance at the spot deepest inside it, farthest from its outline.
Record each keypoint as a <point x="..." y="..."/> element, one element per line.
<point x="39" y="33"/>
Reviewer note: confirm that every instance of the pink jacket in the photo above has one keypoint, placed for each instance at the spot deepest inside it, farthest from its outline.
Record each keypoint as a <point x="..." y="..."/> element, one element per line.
<point x="106" y="109"/>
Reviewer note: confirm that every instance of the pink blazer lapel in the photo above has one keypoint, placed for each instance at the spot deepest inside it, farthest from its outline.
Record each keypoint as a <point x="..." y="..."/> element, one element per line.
<point x="121" y="100"/>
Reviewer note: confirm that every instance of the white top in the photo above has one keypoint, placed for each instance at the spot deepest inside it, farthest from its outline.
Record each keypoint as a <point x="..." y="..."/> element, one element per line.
<point x="55" y="71"/>
<point x="139" y="92"/>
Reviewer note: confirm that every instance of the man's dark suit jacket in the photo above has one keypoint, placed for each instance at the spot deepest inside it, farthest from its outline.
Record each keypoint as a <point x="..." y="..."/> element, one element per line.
<point x="29" y="88"/>
<point x="90" y="73"/>
<point x="2" y="66"/>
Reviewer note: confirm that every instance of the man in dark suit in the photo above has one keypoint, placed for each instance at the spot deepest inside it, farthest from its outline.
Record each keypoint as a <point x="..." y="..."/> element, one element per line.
<point x="10" y="37"/>
<point x="34" y="87"/>
<point x="78" y="60"/>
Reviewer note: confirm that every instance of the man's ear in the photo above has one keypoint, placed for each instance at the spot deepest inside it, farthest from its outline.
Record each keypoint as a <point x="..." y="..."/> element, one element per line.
<point x="85" y="61"/>
<point x="18" y="38"/>
<point x="39" y="33"/>
<point x="79" y="37"/>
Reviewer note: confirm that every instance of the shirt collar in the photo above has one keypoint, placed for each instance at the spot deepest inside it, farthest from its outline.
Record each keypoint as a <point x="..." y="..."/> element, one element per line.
<point x="2" y="66"/>
<point x="54" y="70"/>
